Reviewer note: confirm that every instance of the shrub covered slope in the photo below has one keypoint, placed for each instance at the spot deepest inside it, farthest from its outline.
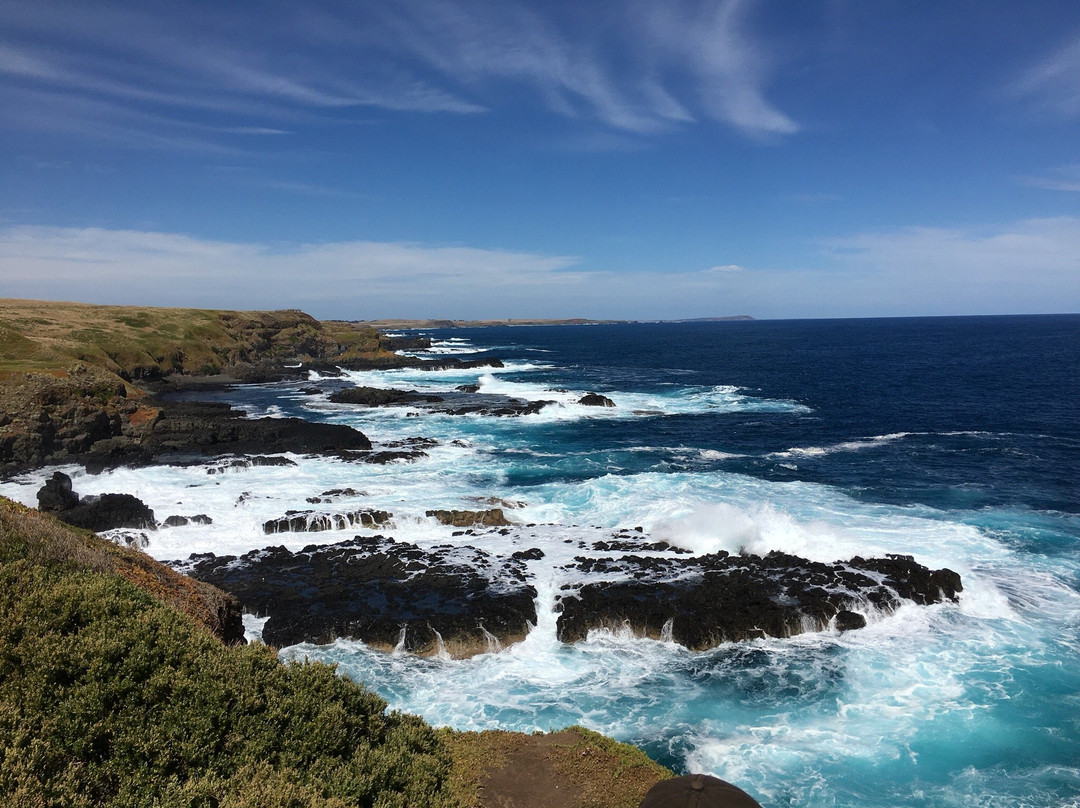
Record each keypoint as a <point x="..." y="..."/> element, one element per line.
<point x="108" y="696"/>
<point x="116" y="689"/>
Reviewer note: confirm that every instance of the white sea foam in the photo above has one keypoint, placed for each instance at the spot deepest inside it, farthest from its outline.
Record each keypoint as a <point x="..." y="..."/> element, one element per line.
<point x="843" y="446"/>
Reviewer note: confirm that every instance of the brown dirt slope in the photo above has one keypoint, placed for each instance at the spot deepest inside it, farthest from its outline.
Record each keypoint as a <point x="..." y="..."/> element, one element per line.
<point x="574" y="768"/>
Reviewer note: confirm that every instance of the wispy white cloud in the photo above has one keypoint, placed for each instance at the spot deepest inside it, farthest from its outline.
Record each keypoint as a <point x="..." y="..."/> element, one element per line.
<point x="635" y="69"/>
<point x="1054" y="81"/>
<point x="639" y="67"/>
<point x="174" y="68"/>
<point x="710" y="42"/>
<point x="1064" y="178"/>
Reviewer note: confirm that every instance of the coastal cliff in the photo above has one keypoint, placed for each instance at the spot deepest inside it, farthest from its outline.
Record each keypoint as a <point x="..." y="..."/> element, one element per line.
<point x="80" y="383"/>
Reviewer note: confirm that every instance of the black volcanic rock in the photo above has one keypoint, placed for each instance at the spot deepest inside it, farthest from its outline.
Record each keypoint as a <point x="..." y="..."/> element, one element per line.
<point x="492" y="517"/>
<point x="720" y="598"/>
<point x="180" y="521"/>
<point x="463" y="401"/>
<point x="97" y="513"/>
<point x="216" y="429"/>
<point x="595" y="400"/>
<point x="56" y="494"/>
<point x="386" y="593"/>
<point x="314" y="521"/>
<point x="378" y="397"/>
<point x="236" y="463"/>
<point x="109" y="511"/>
<point x="481" y="404"/>
<point x="460" y="364"/>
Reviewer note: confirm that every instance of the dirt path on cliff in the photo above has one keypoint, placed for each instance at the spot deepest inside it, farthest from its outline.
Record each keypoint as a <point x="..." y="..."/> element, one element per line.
<point x="574" y="768"/>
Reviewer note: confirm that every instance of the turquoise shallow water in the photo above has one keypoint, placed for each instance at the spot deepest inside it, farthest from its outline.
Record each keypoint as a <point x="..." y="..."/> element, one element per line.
<point x="956" y="440"/>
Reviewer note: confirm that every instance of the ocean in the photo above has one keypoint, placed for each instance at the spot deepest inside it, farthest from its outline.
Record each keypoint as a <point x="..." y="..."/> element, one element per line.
<point x="955" y="440"/>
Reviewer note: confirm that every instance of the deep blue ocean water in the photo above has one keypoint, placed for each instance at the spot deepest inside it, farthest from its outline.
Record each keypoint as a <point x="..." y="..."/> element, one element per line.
<point x="956" y="440"/>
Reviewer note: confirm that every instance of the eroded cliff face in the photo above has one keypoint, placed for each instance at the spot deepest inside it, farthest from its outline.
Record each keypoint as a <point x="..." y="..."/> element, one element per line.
<point x="76" y="380"/>
<point x="89" y="416"/>
<point x="63" y="413"/>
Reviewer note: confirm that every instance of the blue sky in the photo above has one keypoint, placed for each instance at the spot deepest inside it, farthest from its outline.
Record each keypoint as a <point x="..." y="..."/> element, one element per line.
<point x="544" y="159"/>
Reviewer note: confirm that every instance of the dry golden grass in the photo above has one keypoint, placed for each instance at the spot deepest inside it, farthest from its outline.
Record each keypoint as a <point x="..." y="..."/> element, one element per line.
<point x="136" y="341"/>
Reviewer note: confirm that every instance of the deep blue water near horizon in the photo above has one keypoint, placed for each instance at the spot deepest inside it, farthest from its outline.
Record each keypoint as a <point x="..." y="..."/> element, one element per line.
<point x="955" y="440"/>
<point x="989" y="404"/>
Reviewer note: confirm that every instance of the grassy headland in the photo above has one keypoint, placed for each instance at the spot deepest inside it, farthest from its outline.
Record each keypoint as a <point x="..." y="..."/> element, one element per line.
<point x="74" y="376"/>
<point x="143" y="343"/>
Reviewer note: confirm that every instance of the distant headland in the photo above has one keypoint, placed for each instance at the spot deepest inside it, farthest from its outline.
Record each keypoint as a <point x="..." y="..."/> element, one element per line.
<point x="391" y="324"/>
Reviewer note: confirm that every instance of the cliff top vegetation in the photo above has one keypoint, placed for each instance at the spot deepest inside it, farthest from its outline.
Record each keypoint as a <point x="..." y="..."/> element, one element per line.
<point x="136" y="342"/>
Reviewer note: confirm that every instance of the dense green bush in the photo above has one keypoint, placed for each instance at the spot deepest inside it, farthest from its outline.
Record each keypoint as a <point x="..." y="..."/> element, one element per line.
<point x="109" y="697"/>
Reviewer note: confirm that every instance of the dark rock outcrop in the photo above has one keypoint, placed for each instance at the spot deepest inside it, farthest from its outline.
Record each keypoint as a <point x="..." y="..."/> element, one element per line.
<point x="720" y="598"/>
<point x="104" y="512"/>
<point x="109" y="511"/>
<point x="202" y="428"/>
<point x="388" y="594"/>
<point x="379" y="397"/>
<point x="463" y="401"/>
<point x="237" y="463"/>
<point x="333" y="495"/>
<point x="595" y="400"/>
<point x="57" y="494"/>
<point x="180" y="521"/>
<point x="492" y="517"/>
<point x="97" y="513"/>
<point x="68" y="422"/>
<point x="482" y="404"/>
<point x="313" y="521"/>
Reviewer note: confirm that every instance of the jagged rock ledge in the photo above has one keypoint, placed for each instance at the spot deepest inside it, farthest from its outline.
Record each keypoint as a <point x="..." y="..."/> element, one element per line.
<point x="704" y="601"/>
<point x="462" y="601"/>
<point x="455" y="600"/>
<point x="465" y="400"/>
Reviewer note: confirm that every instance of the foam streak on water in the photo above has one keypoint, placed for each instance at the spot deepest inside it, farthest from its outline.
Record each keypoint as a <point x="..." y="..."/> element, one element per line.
<point x="728" y="438"/>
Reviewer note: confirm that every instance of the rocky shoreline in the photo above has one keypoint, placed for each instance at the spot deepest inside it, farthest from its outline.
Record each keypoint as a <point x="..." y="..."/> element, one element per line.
<point x="453" y="599"/>
<point x="458" y="601"/>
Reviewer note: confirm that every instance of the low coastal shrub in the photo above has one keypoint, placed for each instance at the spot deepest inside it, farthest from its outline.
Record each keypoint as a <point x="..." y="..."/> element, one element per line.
<point x="110" y="697"/>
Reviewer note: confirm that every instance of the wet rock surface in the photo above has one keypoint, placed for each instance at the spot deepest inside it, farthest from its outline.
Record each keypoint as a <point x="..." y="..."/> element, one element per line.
<point x="97" y="513"/>
<point x="388" y="594"/>
<point x="236" y="463"/>
<point x="314" y="521"/>
<point x="214" y="429"/>
<point x="492" y="517"/>
<point x="180" y="521"/>
<point x="379" y="397"/>
<point x="704" y="601"/>
<point x="595" y="400"/>
<point x="464" y="400"/>
<point x="87" y="417"/>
